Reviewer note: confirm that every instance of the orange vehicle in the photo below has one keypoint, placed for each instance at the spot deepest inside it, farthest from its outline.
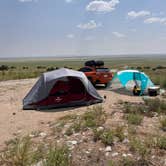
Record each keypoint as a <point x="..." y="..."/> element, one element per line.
<point x="97" y="75"/>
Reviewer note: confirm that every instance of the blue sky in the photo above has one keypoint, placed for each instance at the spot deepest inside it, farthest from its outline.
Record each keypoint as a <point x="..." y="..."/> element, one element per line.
<point x="81" y="27"/>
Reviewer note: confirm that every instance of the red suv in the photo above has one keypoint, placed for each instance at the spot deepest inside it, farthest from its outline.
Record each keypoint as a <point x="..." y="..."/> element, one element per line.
<point x="101" y="75"/>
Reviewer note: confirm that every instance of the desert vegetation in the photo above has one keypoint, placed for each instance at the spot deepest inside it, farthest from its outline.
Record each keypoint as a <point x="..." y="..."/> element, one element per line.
<point x="87" y="139"/>
<point x="20" y="69"/>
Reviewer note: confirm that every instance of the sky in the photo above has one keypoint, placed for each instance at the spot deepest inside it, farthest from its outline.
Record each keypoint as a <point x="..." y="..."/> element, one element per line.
<point x="82" y="27"/>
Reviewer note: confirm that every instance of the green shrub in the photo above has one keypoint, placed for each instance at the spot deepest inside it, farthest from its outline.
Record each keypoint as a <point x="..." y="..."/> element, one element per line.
<point x="136" y="145"/>
<point x="134" y="119"/>
<point x="163" y="123"/>
<point x="161" y="142"/>
<point x="118" y="132"/>
<point x="97" y="134"/>
<point x="107" y="137"/>
<point x="20" y="152"/>
<point x="57" y="156"/>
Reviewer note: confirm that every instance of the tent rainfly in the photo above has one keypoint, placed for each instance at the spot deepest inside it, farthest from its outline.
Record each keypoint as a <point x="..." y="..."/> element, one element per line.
<point x="61" y="88"/>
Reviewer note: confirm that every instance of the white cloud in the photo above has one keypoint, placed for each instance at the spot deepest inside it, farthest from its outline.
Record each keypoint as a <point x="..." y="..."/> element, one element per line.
<point x="28" y="0"/>
<point x="118" y="35"/>
<point x="155" y="20"/>
<point x="102" y="6"/>
<point x="90" y="25"/>
<point x="133" y="14"/>
<point x="70" y="36"/>
<point x="68" y="1"/>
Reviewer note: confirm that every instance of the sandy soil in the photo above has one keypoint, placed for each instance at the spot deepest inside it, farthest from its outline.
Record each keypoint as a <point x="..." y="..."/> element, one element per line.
<point x="14" y="120"/>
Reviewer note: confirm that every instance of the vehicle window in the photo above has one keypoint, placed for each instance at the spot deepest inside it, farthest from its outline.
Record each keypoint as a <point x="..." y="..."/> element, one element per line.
<point x="85" y="69"/>
<point x="102" y="70"/>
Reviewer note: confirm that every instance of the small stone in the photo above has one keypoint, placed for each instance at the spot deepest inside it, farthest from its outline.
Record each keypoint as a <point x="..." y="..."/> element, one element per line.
<point x="107" y="154"/>
<point x="71" y="147"/>
<point x="71" y="143"/>
<point x="125" y="133"/>
<point x="74" y="142"/>
<point x="76" y="134"/>
<point x="14" y="113"/>
<point x="42" y="134"/>
<point x="40" y="163"/>
<point x="153" y="157"/>
<point x="124" y="155"/>
<point x="100" y="128"/>
<point x="87" y="152"/>
<point x="31" y="135"/>
<point x="126" y="141"/>
<point x="115" y="154"/>
<point x="108" y="149"/>
<point x="129" y="154"/>
<point x="100" y="149"/>
<point x="19" y="131"/>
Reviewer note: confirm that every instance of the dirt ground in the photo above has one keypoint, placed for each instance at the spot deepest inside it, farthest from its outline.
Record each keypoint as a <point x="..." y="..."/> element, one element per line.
<point x="14" y="120"/>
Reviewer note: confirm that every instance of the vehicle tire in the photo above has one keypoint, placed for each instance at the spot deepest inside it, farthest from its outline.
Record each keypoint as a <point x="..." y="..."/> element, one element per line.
<point x="106" y="85"/>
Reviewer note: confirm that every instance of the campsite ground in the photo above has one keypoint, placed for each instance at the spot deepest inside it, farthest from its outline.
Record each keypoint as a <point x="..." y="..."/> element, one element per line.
<point x="44" y="127"/>
<point x="14" y="120"/>
<point x="124" y="129"/>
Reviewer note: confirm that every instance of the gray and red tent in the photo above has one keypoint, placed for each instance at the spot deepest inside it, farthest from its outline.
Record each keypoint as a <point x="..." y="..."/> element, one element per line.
<point x="61" y="88"/>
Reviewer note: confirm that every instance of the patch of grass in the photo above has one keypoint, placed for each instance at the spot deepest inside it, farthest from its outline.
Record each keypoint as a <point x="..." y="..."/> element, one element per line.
<point x="23" y="152"/>
<point x="57" y="156"/>
<point x="127" y="162"/>
<point x="163" y="123"/>
<point x="97" y="134"/>
<point x="138" y="146"/>
<point x="20" y="152"/>
<point x="93" y="118"/>
<point x="134" y="119"/>
<point x="161" y="142"/>
<point x="156" y="105"/>
<point x="74" y="128"/>
<point x="118" y="132"/>
<point x="132" y="130"/>
<point x="107" y="137"/>
<point x="137" y="109"/>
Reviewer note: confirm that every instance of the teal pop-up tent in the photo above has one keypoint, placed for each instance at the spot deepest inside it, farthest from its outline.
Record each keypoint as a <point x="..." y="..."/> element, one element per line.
<point x="129" y="78"/>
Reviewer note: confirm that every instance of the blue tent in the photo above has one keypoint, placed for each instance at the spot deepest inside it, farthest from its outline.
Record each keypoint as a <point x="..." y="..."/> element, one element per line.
<point x="129" y="78"/>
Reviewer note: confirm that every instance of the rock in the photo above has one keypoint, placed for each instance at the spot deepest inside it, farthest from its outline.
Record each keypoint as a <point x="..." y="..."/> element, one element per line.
<point x="40" y="163"/>
<point x="153" y="157"/>
<point x="107" y="154"/>
<point x="125" y="141"/>
<point x="74" y="142"/>
<point x="115" y="154"/>
<point x="42" y="134"/>
<point x="124" y="155"/>
<point x="125" y="133"/>
<point x="19" y="131"/>
<point x="87" y="152"/>
<point x="71" y="143"/>
<point x="31" y="135"/>
<point x="108" y="149"/>
<point x="129" y="154"/>
<point x="100" y="149"/>
<point x="76" y="134"/>
<point x="100" y="128"/>
<point x="71" y="147"/>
